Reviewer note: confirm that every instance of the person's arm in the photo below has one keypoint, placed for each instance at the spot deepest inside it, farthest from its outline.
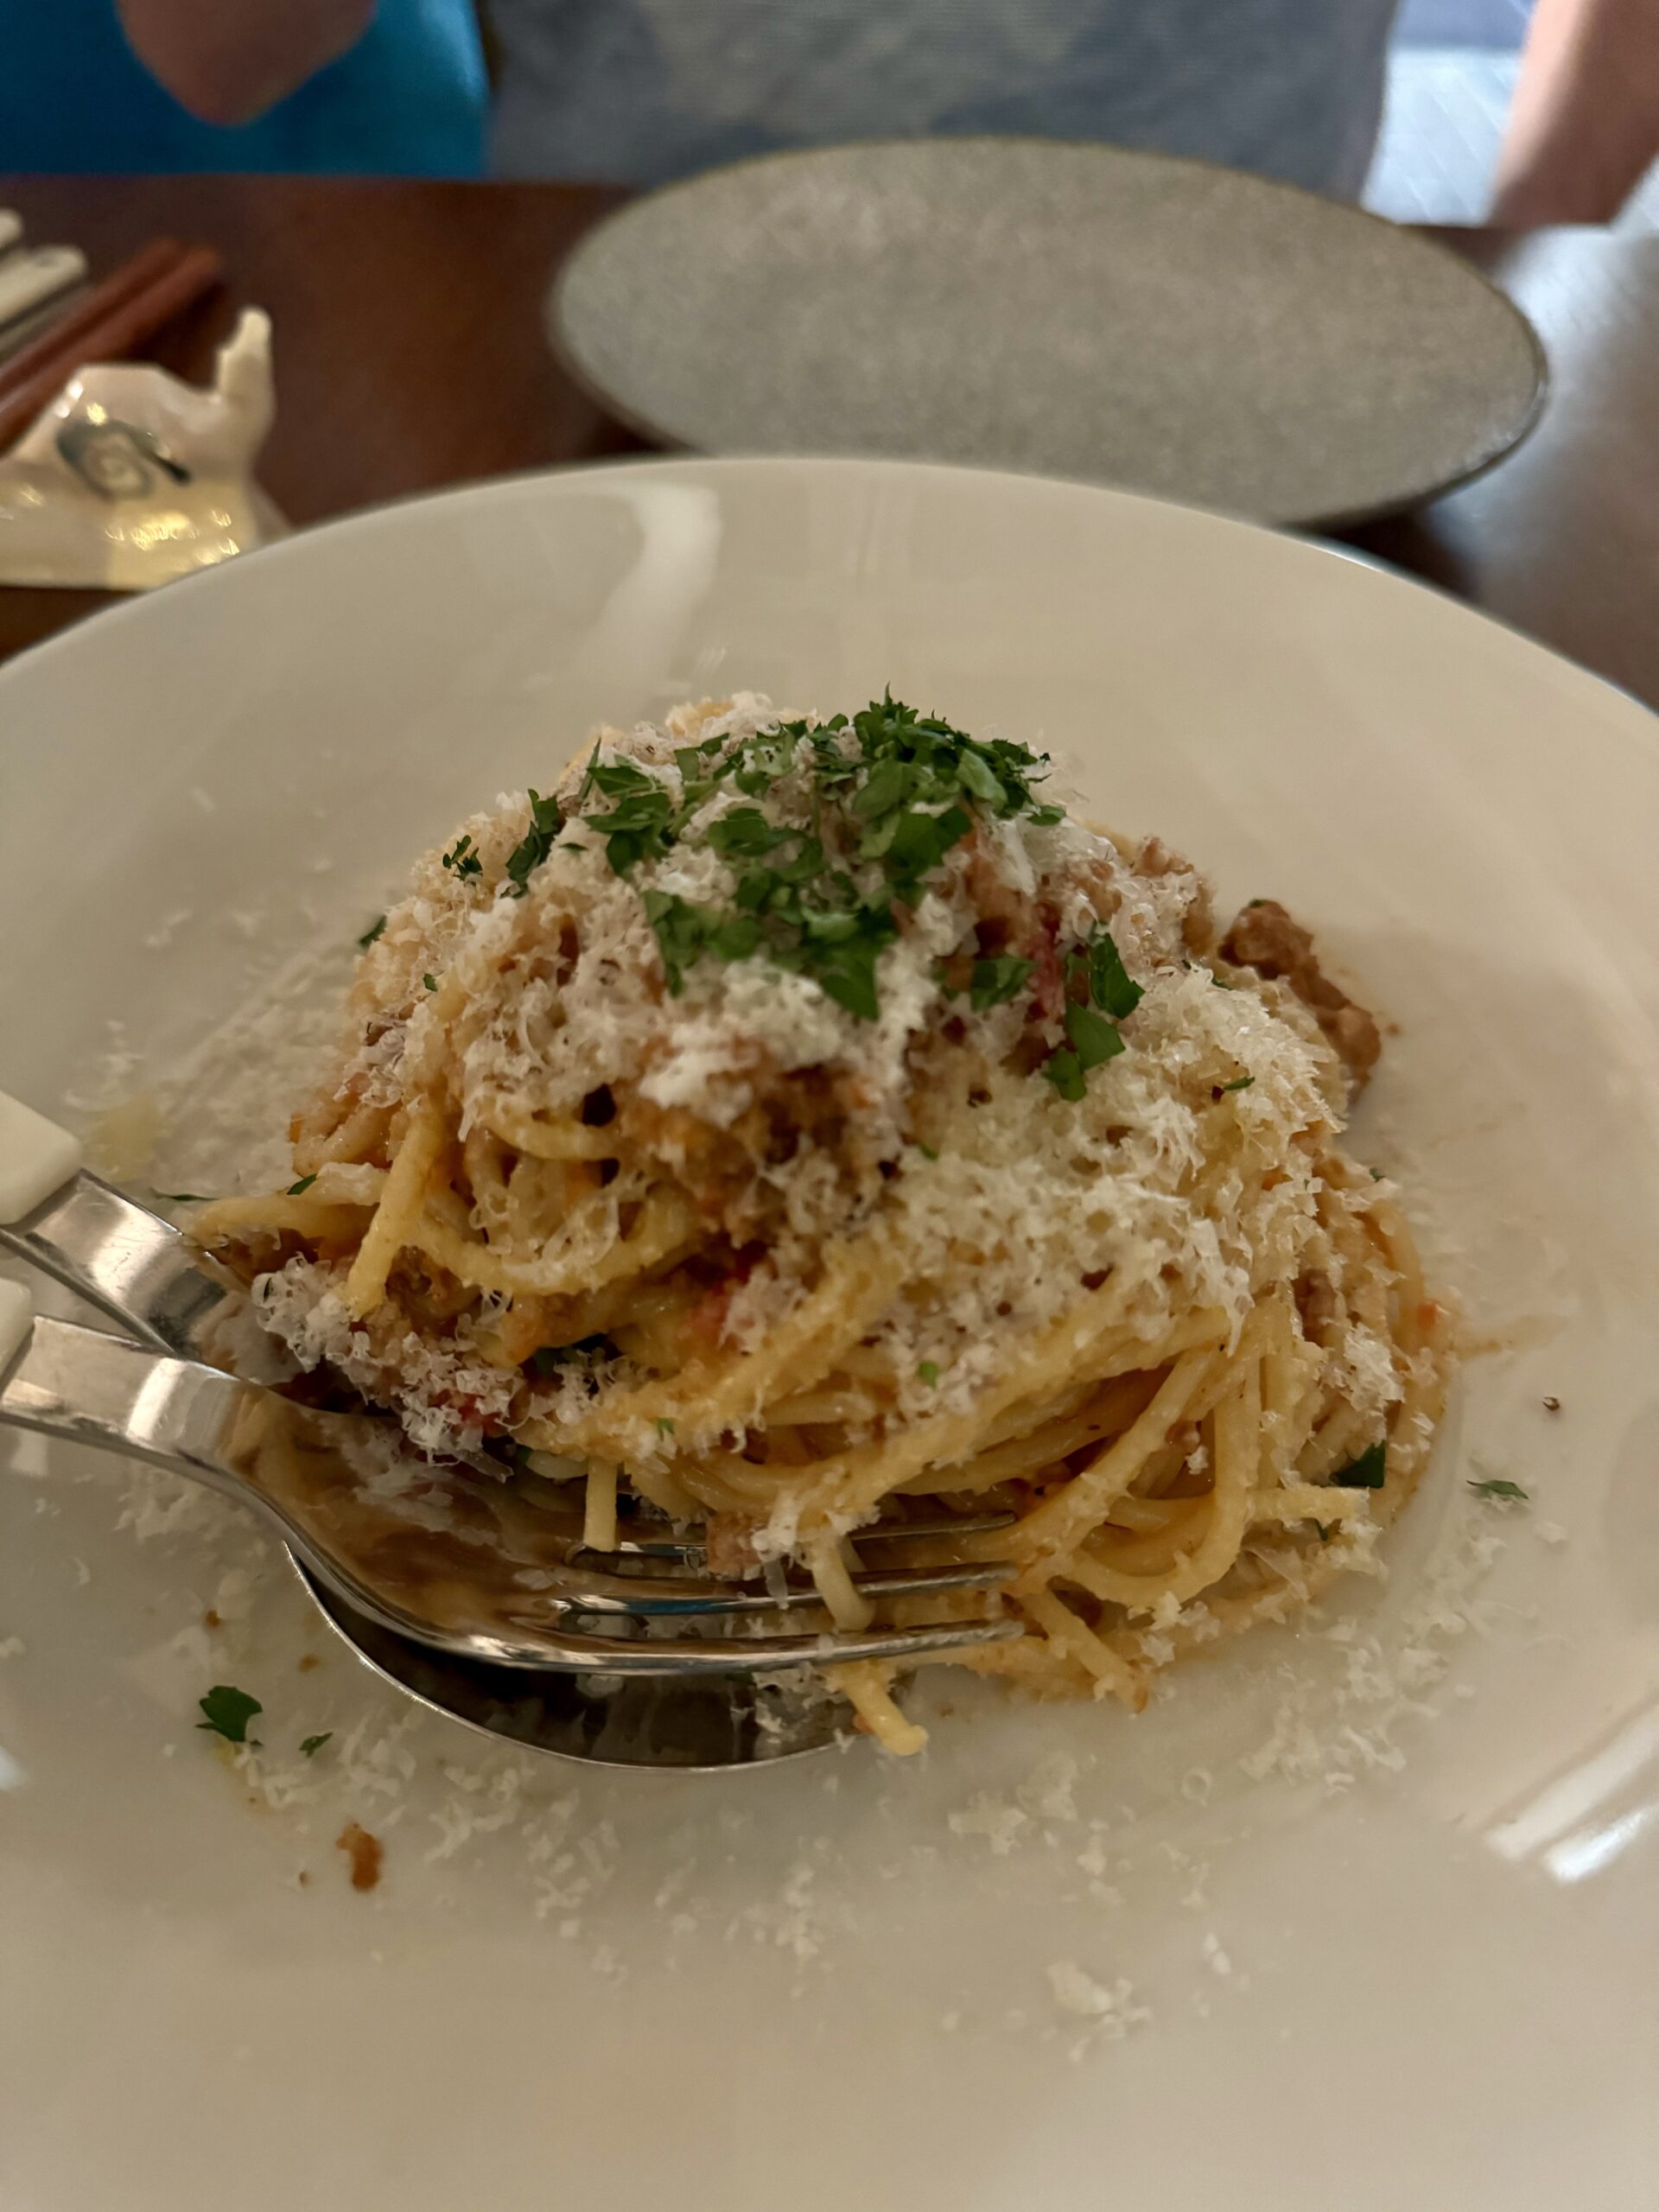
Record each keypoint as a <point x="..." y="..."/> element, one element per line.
<point x="1585" y="124"/>
<point x="228" y="61"/>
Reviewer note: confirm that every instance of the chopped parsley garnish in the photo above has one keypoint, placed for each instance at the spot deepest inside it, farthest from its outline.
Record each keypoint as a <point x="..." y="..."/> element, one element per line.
<point x="1110" y="985"/>
<point x="928" y="1371"/>
<point x="1065" y="1071"/>
<point x="1325" y="1529"/>
<point x="993" y="981"/>
<point x="180" y="1197"/>
<point x="892" y="793"/>
<point x="431" y="981"/>
<point x="546" y="820"/>
<point x="297" y="1190"/>
<point x="463" y="859"/>
<point x="927" y="1151"/>
<point x="1094" y="1040"/>
<point x="638" y="827"/>
<point x="1496" y="1487"/>
<point x="549" y="1358"/>
<point x="1098" y="984"/>
<point x="1369" y="1471"/>
<point x="1238" y="1083"/>
<point x="371" y="935"/>
<point x="663" y="1425"/>
<point x="313" y="1744"/>
<point x="228" y="1711"/>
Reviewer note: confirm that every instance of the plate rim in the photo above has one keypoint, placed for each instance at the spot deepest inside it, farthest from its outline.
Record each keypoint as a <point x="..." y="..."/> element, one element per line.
<point x="132" y="607"/>
<point x="563" y="345"/>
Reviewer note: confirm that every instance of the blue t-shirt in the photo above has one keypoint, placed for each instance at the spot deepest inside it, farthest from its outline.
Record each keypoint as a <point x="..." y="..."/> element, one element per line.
<point x="640" y="91"/>
<point x="410" y="100"/>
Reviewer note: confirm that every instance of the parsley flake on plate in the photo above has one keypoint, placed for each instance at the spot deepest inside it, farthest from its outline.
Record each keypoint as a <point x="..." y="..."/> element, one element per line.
<point x="229" y="1711"/>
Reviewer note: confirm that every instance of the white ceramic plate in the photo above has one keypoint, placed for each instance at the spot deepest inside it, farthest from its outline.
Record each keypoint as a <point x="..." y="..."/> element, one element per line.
<point x="1385" y="1887"/>
<point x="1086" y="311"/>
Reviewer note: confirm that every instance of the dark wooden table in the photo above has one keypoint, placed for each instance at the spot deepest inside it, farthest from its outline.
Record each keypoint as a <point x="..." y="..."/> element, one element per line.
<point x="410" y="353"/>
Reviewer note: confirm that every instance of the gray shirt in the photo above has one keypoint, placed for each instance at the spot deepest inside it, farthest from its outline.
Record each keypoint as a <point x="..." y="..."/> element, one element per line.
<point x="640" y="91"/>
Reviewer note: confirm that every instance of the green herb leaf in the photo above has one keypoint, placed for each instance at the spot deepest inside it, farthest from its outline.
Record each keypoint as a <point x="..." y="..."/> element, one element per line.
<point x="847" y="974"/>
<point x="1325" y="1529"/>
<point x="546" y="821"/>
<point x="313" y="1744"/>
<point x="993" y="981"/>
<point x="919" y="841"/>
<point x="1498" y="1488"/>
<point x="1093" y="1037"/>
<point x="228" y="1711"/>
<point x="294" y="1190"/>
<point x="463" y="859"/>
<point x="738" y="937"/>
<point x="682" y="931"/>
<point x="181" y="1197"/>
<point x="976" y="777"/>
<point x="927" y="1151"/>
<point x="883" y="790"/>
<point x="1369" y="1471"/>
<point x="663" y="1425"/>
<point x="927" y="1371"/>
<point x="1065" y="1071"/>
<point x="371" y="935"/>
<point x="1113" y="989"/>
<point x="744" y="833"/>
<point x="1238" y="1083"/>
<point x="431" y="981"/>
<point x="638" y="827"/>
<point x="619" y="778"/>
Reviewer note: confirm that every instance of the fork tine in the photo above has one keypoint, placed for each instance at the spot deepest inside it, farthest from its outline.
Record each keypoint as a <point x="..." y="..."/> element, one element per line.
<point x="689" y="1548"/>
<point x="564" y="1649"/>
<point x="586" y="1590"/>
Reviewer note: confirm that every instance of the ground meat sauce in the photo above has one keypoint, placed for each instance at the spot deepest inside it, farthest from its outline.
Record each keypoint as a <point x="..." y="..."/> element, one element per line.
<point x="1265" y="937"/>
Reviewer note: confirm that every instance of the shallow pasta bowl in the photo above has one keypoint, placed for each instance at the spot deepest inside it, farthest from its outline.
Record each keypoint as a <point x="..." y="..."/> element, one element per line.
<point x="200" y="789"/>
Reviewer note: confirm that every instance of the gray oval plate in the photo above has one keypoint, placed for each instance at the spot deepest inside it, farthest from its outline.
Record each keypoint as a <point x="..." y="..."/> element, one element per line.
<point x="1066" y="309"/>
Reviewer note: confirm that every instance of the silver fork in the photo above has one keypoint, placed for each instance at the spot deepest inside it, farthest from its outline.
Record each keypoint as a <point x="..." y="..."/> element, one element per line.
<point x="455" y="1561"/>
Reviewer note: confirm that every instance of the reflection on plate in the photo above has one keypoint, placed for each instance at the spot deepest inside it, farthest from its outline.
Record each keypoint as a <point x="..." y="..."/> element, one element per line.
<point x="1082" y="311"/>
<point x="1414" y="1842"/>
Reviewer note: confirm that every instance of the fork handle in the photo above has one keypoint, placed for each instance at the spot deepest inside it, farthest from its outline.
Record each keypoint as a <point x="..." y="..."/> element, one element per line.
<point x="140" y="1270"/>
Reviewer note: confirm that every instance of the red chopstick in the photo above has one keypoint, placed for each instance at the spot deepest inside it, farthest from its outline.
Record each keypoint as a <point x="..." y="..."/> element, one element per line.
<point x="117" y="318"/>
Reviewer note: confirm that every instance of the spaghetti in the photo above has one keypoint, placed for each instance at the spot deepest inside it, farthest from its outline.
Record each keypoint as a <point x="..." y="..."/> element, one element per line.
<point x="786" y="1123"/>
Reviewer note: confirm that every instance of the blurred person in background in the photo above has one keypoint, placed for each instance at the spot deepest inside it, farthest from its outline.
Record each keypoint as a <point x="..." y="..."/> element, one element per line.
<point x="639" y="91"/>
<point x="374" y="87"/>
